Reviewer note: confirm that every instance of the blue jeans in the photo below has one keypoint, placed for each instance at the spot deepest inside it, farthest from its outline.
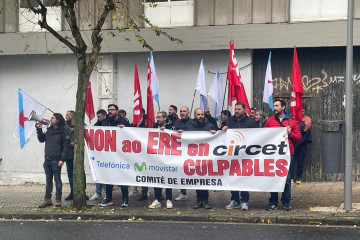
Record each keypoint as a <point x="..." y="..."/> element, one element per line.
<point x="98" y="188"/>
<point x="52" y="170"/>
<point x="244" y="196"/>
<point x="286" y="195"/>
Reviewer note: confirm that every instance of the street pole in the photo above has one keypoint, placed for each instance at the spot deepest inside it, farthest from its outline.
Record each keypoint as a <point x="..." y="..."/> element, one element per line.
<point x="348" y="109"/>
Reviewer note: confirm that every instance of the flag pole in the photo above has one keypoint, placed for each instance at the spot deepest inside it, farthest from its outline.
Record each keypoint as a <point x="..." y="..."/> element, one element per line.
<point x="226" y="83"/>
<point x="158" y="106"/>
<point x="192" y="104"/>
<point x="50" y="110"/>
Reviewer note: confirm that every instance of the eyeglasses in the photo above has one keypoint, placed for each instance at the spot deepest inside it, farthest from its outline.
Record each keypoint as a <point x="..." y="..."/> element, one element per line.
<point x="112" y="109"/>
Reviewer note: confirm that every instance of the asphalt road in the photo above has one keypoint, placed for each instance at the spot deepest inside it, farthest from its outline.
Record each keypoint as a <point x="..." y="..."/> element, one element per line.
<point x="167" y="230"/>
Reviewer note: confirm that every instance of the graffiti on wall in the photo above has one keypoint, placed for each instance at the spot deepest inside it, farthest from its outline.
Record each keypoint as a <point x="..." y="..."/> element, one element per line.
<point x="315" y="84"/>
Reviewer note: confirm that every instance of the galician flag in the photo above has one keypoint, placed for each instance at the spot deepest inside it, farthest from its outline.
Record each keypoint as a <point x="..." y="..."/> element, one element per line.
<point x="216" y="93"/>
<point x="268" y="85"/>
<point x="201" y="86"/>
<point x="154" y="79"/>
<point x="24" y="127"/>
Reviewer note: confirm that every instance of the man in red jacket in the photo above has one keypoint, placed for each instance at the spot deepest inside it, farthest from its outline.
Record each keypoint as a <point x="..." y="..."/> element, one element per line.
<point x="282" y="119"/>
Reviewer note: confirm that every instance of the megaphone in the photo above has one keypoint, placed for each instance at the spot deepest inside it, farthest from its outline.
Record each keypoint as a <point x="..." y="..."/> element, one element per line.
<point x="34" y="117"/>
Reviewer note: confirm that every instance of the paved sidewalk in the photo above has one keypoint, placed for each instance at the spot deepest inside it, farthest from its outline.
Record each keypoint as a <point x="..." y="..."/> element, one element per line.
<point x="312" y="203"/>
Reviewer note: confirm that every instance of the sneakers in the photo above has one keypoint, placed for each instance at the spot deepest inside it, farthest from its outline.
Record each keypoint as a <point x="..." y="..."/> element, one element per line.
<point x="298" y="181"/>
<point x="206" y="205"/>
<point x="155" y="204"/>
<point x="287" y="208"/>
<point x="58" y="203"/>
<point x="169" y="204"/>
<point x="95" y="197"/>
<point x="125" y="203"/>
<point x="70" y="197"/>
<point x="133" y="192"/>
<point x="233" y="204"/>
<point x="271" y="207"/>
<point x="198" y="204"/>
<point x="106" y="202"/>
<point x="244" y="206"/>
<point x="181" y="197"/>
<point x="45" y="203"/>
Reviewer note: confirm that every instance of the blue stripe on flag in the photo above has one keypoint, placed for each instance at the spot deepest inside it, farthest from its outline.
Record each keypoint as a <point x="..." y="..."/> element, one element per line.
<point x="21" y="129"/>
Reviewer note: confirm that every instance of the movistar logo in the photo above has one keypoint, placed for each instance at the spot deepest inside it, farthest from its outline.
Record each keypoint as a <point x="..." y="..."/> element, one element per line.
<point x="140" y="168"/>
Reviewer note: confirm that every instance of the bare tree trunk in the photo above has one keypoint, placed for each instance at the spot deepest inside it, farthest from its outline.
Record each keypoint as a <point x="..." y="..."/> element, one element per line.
<point x="79" y="173"/>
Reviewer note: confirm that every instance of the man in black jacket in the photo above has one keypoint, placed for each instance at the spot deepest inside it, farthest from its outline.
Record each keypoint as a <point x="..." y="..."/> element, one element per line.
<point x="56" y="150"/>
<point x="180" y="126"/>
<point x="115" y="120"/>
<point x="200" y="123"/>
<point x="101" y="116"/>
<point x="161" y="123"/>
<point x="240" y="120"/>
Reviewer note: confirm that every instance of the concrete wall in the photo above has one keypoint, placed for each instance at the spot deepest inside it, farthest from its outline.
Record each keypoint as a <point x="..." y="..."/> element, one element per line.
<point x="52" y="81"/>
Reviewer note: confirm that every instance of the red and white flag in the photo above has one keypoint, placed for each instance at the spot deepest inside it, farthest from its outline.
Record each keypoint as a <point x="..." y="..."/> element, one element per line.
<point x="236" y="86"/>
<point x="89" y="104"/>
<point x="297" y="90"/>
<point x="137" y="111"/>
<point x="150" y="118"/>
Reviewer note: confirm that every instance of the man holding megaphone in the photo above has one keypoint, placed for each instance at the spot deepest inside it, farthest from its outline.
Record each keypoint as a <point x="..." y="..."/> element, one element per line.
<point x="56" y="150"/>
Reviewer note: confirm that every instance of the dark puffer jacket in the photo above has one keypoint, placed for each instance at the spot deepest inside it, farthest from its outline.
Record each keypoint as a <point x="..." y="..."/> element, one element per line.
<point x="56" y="143"/>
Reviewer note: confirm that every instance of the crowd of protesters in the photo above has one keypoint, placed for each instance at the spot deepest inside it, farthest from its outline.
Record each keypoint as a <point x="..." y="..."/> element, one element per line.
<point x="59" y="142"/>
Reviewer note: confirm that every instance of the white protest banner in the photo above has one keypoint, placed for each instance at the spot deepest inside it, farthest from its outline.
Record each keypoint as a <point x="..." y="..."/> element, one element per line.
<point x="238" y="159"/>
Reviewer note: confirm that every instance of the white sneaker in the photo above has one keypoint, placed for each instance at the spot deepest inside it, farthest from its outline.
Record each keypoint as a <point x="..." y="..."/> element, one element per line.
<point x="95" y="197"/>
<point x="155" y="204"/>
<point x="181" y="197"/>
<point x="233" y="205"/>
<point x="133" y="191"/>
<point x="169" y="204"/>
<point x="244" y="206"/>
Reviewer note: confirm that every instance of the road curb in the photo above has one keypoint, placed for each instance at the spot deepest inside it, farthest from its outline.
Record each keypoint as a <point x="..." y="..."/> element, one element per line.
<point x="262" y="219"/>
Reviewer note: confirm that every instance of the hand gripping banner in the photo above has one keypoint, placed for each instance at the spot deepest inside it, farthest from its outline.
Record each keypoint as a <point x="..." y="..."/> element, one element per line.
<point x="238" y="159"/>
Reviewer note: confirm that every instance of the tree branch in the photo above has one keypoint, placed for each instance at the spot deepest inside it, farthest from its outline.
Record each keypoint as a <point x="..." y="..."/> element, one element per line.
<point x="42" y="11"/>
<point x="96" y="38"/>
<point x="72" y="20"/>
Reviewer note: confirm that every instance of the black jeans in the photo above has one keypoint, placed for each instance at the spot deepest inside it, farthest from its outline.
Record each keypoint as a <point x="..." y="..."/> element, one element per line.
<point x="70" y="171"/>
<point x="52" y="170"/>
<point x="202" y="195"/>
<point x="124" y="191"/>
<point x="168" y="192"/>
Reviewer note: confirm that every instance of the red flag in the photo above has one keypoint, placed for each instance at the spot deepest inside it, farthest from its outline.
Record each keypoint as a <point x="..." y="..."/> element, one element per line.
<point x="297" y="90"/>
<point x="236" y="86"/>
<point x="137" y="111"/>
<point x="89" y="104"/>
<point x="150" y="118"/>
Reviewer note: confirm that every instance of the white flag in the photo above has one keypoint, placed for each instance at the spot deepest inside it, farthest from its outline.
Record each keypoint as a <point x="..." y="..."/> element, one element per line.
<point x="154" y="79"/>
<point x="201" y="86"/>
<point x="216" y="93"/>
<point x="268" y="85"/>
